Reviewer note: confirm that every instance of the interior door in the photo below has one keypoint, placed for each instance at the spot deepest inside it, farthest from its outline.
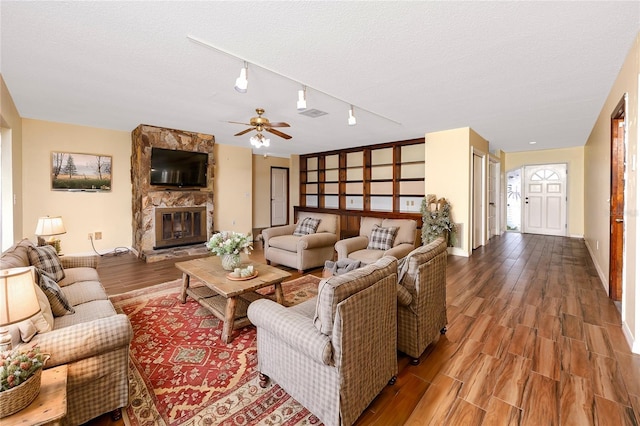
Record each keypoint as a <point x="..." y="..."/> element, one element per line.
<point x="478" y="202"/>
<point x="279" y="196"/>
<point x="494" y="179"/>
<point x="616" y="243"/>
<point x="545" y="199"/>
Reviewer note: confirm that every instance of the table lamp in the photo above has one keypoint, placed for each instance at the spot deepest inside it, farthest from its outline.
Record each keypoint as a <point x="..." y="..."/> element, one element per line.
<point x="48" y="227"/>
<point x="18" y="300"/>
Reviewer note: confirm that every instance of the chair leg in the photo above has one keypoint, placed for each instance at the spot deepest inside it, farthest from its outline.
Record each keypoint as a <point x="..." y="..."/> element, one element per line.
<point x="392" y="381"/>
<point x="264" y="379"/>
<point x="116" y="414"/>
<point x="415" y="361"/>
<point x="443" y="330"/>
<point x="268" y="262"/>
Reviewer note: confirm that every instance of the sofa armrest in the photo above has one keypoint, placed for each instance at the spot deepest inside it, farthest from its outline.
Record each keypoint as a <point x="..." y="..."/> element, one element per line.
<point x="321" y="239"/>
<point x="84" y="340"/>
<point x="400" y="251"/>
<point x="349" y="245"/>
<point x="79" y="261"/>
<point x="277" y="231"/>
<point x="291" y="328"/>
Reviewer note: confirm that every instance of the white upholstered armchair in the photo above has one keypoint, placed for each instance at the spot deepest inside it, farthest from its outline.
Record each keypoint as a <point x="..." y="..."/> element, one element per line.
<point x="336" y="352"/>
<point x="377" y="239"/>
<point x="302" y="250"/>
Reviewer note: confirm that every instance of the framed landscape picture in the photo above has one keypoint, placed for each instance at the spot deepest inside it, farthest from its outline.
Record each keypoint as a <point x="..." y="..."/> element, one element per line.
<point x="80" y="172"/>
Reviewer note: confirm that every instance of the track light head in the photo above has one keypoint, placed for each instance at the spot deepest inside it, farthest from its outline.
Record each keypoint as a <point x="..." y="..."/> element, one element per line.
<point x="302" y="99"/>
<point x="241" y="81"/>
<point x="352" y="118"/>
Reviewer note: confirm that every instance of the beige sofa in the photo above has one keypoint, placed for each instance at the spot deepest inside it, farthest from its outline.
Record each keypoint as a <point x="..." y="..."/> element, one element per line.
<point x="93" y="341"/>
<point x="358" y="248"/>
<point x="302" y="252"/>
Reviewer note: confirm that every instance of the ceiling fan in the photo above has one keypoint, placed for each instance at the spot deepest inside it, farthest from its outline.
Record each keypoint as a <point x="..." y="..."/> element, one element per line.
<point x="261" y="124"/>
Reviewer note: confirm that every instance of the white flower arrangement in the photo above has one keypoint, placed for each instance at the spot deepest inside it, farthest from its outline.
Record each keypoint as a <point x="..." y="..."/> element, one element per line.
<point x="227" y="242"/>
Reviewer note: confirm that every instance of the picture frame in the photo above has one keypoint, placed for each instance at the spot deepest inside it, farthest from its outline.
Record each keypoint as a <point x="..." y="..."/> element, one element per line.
<point x="72" y="171"/>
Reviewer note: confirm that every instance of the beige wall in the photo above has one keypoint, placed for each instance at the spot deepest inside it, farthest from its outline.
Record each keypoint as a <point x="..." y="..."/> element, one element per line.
<point x="597" y="190"/>
<point x="262" y="187"/>
<point x="448" y="174"/>
<point x="232" y="189"/>
<point x="11" y="133"/>
<point x="82" y="212"/>
<point x="574" y="158"/>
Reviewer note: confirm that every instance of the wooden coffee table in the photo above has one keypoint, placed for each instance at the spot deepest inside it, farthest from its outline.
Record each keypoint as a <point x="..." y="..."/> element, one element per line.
<point x="227" y="299"/>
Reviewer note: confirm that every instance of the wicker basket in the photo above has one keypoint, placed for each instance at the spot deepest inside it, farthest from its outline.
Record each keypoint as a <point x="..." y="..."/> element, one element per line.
<point x="14" y="400"/>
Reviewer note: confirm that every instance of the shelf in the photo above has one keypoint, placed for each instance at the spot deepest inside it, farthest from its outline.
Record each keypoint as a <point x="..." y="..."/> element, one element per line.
<point x="370" y="178"/>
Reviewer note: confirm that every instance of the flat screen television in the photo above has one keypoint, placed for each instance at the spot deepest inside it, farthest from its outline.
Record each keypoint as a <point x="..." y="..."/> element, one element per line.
<point x="170" y="167"/>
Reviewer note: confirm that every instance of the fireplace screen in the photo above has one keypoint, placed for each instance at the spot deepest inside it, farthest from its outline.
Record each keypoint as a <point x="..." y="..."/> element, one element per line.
<point x="176" y="226"/>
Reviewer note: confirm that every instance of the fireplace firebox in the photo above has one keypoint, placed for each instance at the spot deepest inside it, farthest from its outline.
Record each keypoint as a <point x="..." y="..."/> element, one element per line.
<point x="179" y="226"/>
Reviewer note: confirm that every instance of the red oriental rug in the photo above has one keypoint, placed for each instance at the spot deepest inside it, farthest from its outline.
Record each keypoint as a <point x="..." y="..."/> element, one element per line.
<point x="181" y="373"/>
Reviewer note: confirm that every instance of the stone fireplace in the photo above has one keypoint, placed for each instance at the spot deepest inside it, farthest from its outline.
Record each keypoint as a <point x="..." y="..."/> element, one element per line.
<point x="178" y="226"/>
<point x="154" y="205"/>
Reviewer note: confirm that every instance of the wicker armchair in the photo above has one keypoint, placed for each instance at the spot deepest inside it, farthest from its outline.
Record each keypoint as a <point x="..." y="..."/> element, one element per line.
<point x="422" y="301"/>
<point x="336" y="352"/>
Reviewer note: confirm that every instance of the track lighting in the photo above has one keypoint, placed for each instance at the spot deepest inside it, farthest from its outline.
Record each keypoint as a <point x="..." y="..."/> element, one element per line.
<point x="242" y="82"/>
<point x="302" y="99"/>
<point x="352" y="118"/>
<point x="259" y="141"/>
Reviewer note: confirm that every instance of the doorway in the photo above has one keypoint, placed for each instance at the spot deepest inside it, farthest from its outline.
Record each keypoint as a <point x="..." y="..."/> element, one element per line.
<point x="616" y="216"/>
<point x="279" y="196"/>
<point x="545" y="199"/>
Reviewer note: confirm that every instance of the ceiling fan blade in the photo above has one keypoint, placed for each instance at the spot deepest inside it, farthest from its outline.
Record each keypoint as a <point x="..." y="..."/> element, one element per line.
<point x="278" y="124"/>
<point x="278" y="133"/>
<point x="244" y="131"/>
<point x="237" y="122"/>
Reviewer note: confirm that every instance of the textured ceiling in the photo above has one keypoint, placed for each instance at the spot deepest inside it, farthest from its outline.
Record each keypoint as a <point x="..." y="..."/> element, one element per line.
<point x="513" y="71"/>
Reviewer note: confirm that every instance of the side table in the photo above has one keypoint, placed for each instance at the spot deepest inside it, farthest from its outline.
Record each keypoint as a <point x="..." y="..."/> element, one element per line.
<point x="50" y="406"/>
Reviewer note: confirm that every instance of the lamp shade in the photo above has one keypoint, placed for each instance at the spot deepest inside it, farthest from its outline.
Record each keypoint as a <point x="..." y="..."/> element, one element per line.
<point x="18" y="297"/>
<point x="50" y="226"/>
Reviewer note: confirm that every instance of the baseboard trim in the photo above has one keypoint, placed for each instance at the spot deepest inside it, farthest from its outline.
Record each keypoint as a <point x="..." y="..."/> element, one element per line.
<point x="603" y="280"/>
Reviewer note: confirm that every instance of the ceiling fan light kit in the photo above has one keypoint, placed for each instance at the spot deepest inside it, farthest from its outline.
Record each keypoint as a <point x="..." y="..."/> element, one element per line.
<point x="259" y="141"/>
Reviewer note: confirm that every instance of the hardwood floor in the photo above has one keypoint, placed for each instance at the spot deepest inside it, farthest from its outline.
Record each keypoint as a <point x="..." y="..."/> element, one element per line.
<point x="532" y="339"/>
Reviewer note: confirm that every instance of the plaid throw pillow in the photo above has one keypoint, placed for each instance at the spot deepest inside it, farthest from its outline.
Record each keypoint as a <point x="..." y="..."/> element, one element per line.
<point x="308" y="225"/>
<point x="46" y="259"/>
<point x="59" y="304"/>
<point x="382" y="238"/>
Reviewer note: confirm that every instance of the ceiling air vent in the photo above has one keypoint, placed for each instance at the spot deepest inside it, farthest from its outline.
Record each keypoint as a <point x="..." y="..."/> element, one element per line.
<point x="313" y="113"/>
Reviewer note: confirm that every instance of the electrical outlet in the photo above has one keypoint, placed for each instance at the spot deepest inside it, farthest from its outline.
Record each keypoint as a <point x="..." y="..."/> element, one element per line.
<point x="98" y="235"/>
<point x="90" y="236"/>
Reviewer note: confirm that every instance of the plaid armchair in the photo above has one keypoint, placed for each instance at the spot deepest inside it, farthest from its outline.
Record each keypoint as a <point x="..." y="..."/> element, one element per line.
<point x="422" y="294"/>
<point x="336" y="352"/>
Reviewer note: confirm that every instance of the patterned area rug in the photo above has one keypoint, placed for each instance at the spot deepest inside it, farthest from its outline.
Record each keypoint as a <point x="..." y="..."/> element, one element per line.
<point x="182" y="374"/>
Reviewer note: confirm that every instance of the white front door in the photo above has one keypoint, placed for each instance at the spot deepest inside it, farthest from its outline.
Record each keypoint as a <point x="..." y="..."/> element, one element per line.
<point x="545" y="199"/>
<point x="279" y="196"/>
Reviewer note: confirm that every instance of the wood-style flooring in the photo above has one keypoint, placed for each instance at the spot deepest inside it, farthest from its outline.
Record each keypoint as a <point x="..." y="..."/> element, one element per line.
<point x="532" y="339"/>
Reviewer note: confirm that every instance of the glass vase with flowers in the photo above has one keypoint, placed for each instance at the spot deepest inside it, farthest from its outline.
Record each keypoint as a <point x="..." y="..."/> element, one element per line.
<point x="228" y="245"/>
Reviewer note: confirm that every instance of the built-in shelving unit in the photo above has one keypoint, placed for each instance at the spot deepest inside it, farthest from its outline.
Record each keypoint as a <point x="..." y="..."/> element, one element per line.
<point x="387" y="177"/>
